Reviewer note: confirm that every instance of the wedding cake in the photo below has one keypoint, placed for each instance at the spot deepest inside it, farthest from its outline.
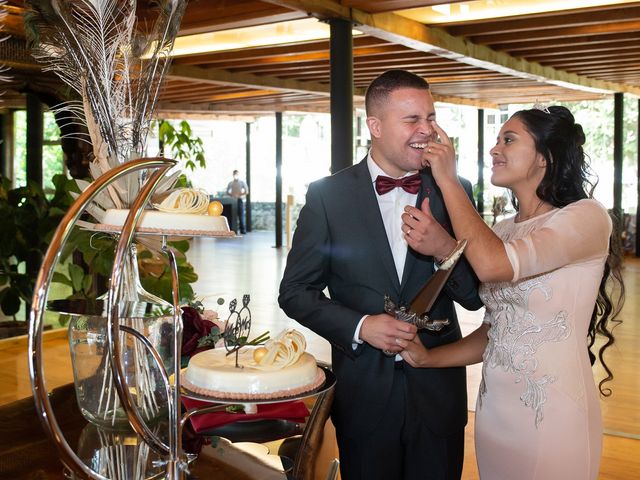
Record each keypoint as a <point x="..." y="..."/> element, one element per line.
<point x="280" y="369"/>
<point x="185" y="211"/>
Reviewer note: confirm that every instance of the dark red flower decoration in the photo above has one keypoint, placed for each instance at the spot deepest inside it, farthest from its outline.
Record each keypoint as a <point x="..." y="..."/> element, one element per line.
<point x="194" y="329"/>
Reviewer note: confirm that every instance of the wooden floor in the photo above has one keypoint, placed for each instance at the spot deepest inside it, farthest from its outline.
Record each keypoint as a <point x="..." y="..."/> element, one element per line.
<point x="230" y="268"/>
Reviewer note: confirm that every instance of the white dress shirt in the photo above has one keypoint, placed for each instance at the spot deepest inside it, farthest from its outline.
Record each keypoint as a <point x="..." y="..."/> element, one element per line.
<point x="391" y="206"/>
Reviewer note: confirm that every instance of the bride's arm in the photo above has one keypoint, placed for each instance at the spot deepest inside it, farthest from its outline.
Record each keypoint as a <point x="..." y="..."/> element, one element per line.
<point x="485" y="251"/>
<point x="466" y="351"/>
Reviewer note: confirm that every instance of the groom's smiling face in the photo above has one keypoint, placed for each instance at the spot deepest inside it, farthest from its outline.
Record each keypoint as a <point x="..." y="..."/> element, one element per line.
<point x="400" y="127"/>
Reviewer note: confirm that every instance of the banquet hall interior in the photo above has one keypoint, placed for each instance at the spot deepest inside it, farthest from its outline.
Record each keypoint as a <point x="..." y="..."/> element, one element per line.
<point x="248" y="61"/>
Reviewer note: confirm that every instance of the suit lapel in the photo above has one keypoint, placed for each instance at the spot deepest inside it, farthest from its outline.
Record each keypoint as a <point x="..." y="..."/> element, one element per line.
<point x="367" y="205"/>
<point x="427" y="189"/>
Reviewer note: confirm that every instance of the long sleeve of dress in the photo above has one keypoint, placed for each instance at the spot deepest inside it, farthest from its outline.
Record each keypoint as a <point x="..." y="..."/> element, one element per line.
<point x="578" y="232"/>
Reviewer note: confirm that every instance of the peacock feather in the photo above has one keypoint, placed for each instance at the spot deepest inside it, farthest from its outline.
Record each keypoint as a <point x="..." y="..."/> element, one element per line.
<point x="115" y="64"/>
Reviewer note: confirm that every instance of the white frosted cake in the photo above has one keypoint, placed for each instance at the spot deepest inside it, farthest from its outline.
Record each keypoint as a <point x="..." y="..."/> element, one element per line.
<point x="279" y="369"/>
<point x="153" y="220"/>
<point x="183" y="211"/>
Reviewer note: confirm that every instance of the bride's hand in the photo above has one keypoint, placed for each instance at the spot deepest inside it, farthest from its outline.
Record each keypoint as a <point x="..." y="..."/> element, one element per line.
<point x="415" y="353"/>
<point x="440" y="156"/>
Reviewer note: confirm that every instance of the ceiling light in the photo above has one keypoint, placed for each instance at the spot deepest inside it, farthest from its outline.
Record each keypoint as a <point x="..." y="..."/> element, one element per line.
<point x="294" y="31"/>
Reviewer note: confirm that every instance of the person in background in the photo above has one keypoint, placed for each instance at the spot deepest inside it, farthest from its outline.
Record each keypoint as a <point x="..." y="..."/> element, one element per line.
<point x="238" y="189"/>
<point x="392" y="421"/>
<point x="544" y="275"/>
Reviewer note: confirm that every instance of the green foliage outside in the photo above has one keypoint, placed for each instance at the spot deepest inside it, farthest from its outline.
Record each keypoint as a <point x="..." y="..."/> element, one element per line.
<point x="596" y="118"/>
<point x="182" y="145"/>
<point x="52" y="157"/>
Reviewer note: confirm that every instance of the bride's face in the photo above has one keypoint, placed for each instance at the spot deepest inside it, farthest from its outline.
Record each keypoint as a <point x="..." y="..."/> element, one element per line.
<point x="517" y="164"/>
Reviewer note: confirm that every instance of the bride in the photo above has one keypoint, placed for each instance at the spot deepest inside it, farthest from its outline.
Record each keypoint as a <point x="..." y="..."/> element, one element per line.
<point x="544" y="273"/>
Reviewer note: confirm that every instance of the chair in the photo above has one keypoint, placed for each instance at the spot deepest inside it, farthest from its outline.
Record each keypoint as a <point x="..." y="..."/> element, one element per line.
<point x="311" y="440"/>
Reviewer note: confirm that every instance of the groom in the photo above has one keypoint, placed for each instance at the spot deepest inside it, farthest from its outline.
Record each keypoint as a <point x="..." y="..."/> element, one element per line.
<point x="392" y="421"/>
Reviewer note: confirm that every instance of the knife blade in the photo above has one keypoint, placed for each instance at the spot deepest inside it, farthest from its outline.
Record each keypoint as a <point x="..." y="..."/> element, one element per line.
<point x="426" y="297"/>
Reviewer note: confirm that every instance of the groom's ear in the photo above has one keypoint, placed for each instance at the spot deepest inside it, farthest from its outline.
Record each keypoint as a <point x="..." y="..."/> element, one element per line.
<point x="374" y="126"/>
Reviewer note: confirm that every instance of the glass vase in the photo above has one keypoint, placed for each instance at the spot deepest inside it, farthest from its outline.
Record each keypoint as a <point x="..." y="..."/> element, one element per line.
<point x="93" y="376"/>
<point x="118" y="455"/>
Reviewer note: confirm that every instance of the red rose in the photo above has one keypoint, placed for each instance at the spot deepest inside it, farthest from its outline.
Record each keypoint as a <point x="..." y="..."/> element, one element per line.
<point x="194" y="329"/>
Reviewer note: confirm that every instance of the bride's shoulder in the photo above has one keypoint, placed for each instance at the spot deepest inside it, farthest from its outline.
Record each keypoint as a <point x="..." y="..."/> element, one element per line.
<point x="588" y="211"/>
<point x="586" y="206"/>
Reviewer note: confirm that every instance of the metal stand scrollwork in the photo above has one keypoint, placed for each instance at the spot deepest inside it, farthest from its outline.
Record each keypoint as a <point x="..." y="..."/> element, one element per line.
<point x="175" y="459"/>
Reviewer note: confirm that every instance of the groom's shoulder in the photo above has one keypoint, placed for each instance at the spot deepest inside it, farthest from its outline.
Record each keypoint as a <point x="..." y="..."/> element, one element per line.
<point x="345" y="177"/>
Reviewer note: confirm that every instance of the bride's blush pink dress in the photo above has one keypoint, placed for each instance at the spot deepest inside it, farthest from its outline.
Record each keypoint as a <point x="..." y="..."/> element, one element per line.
<point x="538" y="415"/>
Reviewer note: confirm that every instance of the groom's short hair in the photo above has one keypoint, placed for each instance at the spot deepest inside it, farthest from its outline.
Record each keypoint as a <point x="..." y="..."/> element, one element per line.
<point x="391" y="80"/>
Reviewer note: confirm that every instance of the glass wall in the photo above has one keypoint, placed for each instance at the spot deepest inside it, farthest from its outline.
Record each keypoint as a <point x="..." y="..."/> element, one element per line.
<point x="306" y="150"/>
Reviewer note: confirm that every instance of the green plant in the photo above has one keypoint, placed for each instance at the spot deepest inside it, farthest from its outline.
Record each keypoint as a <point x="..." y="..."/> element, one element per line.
<point x="184" y="147"/>
<point x="85" y="262"/>
<point x="31" y="219"/>
<point x="155" y="273"/>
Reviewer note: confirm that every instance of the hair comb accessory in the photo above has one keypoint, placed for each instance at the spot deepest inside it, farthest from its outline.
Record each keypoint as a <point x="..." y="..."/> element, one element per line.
<point x="540" y="106"/>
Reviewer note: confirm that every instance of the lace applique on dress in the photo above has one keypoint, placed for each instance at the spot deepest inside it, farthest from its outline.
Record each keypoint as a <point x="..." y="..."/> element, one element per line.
<point x="516" y="334"/>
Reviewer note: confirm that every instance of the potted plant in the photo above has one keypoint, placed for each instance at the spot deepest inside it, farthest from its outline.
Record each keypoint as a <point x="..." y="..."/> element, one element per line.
<point x="31" y="220"/>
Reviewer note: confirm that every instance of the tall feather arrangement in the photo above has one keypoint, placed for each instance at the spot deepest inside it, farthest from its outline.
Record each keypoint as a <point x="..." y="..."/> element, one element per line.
<point x="116" y="65"/>
<point x="3" y="68"/>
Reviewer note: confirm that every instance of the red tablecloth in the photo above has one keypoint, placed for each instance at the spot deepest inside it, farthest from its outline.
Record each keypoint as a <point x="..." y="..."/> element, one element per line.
<point x="295" y="411"/>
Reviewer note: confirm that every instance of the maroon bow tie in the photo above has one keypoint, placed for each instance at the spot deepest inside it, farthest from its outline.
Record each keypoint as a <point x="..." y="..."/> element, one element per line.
<point x="410" y="184"/>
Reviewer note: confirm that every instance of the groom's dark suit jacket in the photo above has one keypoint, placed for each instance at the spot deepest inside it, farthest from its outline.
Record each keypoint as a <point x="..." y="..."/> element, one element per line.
<point x="340" y="244"/>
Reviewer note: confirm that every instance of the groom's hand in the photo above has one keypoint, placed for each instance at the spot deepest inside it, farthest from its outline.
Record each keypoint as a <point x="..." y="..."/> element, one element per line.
<point x="384" y="332"/>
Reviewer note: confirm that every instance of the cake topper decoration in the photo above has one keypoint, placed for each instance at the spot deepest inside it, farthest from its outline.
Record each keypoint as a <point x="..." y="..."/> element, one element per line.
<point x="237" y="327"/>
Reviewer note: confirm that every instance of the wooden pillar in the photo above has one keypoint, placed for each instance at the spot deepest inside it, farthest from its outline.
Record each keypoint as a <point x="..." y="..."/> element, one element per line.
<point x="247" y="207"/>
<point x="6" y="148"/>
<point x="341" y="53"/>
<point x="278" y="179"/>
<point x="35" y="137"/>
<point x="480" y="197"/>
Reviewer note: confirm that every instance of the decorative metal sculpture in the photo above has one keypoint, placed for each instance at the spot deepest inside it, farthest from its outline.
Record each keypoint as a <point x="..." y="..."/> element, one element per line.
<point x="237" y="327"/>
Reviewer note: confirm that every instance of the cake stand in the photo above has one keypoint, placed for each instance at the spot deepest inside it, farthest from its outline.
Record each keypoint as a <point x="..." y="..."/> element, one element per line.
<point x="176" y="461"/>
<point x="313" y="429"/>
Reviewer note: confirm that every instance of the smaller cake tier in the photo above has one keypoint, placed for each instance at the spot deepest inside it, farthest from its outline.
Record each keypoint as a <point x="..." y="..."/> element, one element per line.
<point x="153" y="221"/>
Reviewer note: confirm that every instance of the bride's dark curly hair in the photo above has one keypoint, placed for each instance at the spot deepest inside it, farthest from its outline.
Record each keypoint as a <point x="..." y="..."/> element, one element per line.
<point x="567" y="179"/>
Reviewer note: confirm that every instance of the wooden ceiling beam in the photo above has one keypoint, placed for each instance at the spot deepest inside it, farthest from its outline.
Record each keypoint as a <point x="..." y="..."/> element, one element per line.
<point x="225" y="77"/>
<point x="309" y="58"/>
<point x="597" y="69"/>
<point x="567" y="42"/>
<point x="540" y="34"/>
<point x="204" y="16"/>
<point x="415" y="35"/>
<point x="619" y="59"/>
<point x="465" y="101"/>
<point x="532" y="22"/>
<point x="390" y="5"/>
<point x="579" y="50"/>
<point x="361" y="41"/>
